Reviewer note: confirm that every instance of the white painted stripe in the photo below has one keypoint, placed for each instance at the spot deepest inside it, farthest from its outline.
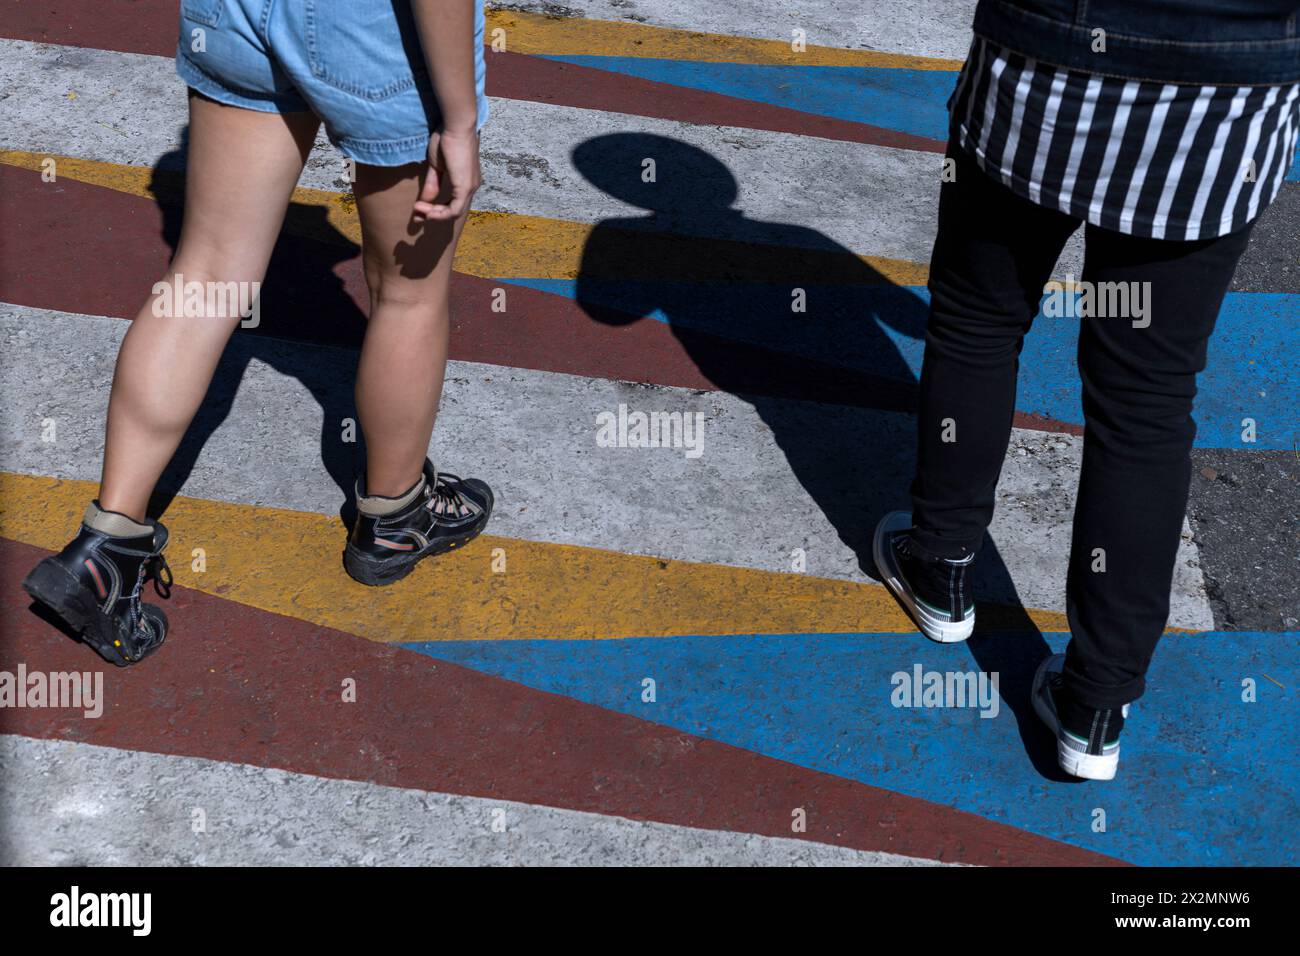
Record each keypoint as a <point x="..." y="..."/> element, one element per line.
<point x="67" y="803"/>
<point x="746" y="501"/>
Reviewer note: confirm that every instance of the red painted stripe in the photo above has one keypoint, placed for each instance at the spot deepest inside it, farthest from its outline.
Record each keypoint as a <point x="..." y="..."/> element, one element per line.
<point x="150" y="26"/>
<point x="242" y="685"/>
<point x="127" y="26"/>
<point x="121" y="243"/>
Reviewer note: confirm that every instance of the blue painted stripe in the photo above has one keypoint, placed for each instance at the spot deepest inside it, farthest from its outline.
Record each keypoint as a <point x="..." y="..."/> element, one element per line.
<point x="1204" y="777"/>
<point x="909" y="101"/>
<point x="879" y="329"/>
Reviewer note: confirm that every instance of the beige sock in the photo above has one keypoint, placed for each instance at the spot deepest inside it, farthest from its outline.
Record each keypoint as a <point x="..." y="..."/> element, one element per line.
<point x="113" y="524"/>
<point x="377" y="506"/>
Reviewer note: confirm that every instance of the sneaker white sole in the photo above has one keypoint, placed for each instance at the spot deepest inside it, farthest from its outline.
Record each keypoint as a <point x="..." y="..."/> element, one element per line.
<point x="1083" y="766"/>
<point x="1087" y="766"/>
<point x="930" y="624"/>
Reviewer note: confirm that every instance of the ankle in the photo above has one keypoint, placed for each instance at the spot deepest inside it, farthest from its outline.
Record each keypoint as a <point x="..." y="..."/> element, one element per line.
<point x="1086" y="722"/>
<point x="939" y="548"/>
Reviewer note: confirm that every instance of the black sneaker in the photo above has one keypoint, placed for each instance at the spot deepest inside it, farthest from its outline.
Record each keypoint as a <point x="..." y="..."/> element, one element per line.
<point x="95" y="582"/>
<point x="393" y="534"/>
<point x="936" y="592"/>
<point x="1087" y="739"/>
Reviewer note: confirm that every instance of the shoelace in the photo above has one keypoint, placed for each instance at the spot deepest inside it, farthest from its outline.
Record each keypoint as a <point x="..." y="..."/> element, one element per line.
<point x="159" y="567"/>
<point x="154" y="567"/>
<point x="443" y="494"/>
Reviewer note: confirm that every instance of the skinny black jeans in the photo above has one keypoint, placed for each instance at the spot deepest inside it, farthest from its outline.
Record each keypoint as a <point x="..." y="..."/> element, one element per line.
<point x="994" y="253"/>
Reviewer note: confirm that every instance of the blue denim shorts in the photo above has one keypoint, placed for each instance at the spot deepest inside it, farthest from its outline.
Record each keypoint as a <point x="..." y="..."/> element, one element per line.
<point x="357" y="64"/>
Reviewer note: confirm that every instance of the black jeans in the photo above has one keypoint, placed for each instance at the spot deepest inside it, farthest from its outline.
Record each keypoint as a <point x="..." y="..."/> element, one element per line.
<point x="992" y="257"/>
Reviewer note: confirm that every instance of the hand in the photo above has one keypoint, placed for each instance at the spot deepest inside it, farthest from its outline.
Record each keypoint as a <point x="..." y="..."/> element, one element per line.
<point x="453" y="176"/>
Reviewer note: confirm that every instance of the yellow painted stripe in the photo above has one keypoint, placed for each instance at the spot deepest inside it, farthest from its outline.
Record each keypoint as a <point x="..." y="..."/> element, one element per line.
<point x="566" y="36"/>
<point x="499" y="245"/>
<point x="290" y="563"/>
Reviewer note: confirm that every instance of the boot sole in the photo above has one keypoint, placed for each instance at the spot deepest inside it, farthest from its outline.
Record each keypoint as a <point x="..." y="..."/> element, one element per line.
<point x="378" y="573"/>
<point x="52" y="585"/>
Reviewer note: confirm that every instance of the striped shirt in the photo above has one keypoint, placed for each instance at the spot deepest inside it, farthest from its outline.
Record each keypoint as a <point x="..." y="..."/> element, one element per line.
<point x="1159" y="160"/>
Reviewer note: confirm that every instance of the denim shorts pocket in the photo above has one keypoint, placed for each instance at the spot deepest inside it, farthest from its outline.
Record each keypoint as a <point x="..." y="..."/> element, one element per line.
<point x="368" y="48"/>
<point x="206" y="12"/>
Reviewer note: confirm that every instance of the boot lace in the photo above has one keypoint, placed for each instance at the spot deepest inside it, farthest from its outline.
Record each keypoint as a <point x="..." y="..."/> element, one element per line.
<point x="444" y="500"/>
<point x="153" y="568"/>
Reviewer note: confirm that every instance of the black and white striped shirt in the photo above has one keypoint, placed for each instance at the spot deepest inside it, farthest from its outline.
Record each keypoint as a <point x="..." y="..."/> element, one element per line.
<point x="1160" y="160"/>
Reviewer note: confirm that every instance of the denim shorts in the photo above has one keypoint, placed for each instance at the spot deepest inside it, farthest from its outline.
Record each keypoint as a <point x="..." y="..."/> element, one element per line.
<point x="357" y="64"/>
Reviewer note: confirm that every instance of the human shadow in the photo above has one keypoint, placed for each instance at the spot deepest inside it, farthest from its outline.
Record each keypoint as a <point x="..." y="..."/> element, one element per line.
<point x="831" y="381"/>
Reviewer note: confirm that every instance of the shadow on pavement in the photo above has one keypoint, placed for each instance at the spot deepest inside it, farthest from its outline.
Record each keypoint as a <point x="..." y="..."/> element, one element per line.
<point x="725" y="283"/>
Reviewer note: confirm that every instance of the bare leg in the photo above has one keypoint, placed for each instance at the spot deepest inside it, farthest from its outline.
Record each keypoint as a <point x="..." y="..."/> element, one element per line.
<point x="399" y="379"/>
<point x="242" y="168"/>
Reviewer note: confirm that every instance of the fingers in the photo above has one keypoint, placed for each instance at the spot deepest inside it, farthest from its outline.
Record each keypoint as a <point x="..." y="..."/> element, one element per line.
<point x="456" y="194"/>
<point x="433" y="180"/>
<point x="432" y="185"/>
<point x="456" y="204"/>
<point x="452" y="179"/>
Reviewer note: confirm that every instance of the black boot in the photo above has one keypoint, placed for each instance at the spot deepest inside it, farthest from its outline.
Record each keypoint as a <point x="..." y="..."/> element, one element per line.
<point x="391" y="535"/>
<point x="95" y="582"/>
